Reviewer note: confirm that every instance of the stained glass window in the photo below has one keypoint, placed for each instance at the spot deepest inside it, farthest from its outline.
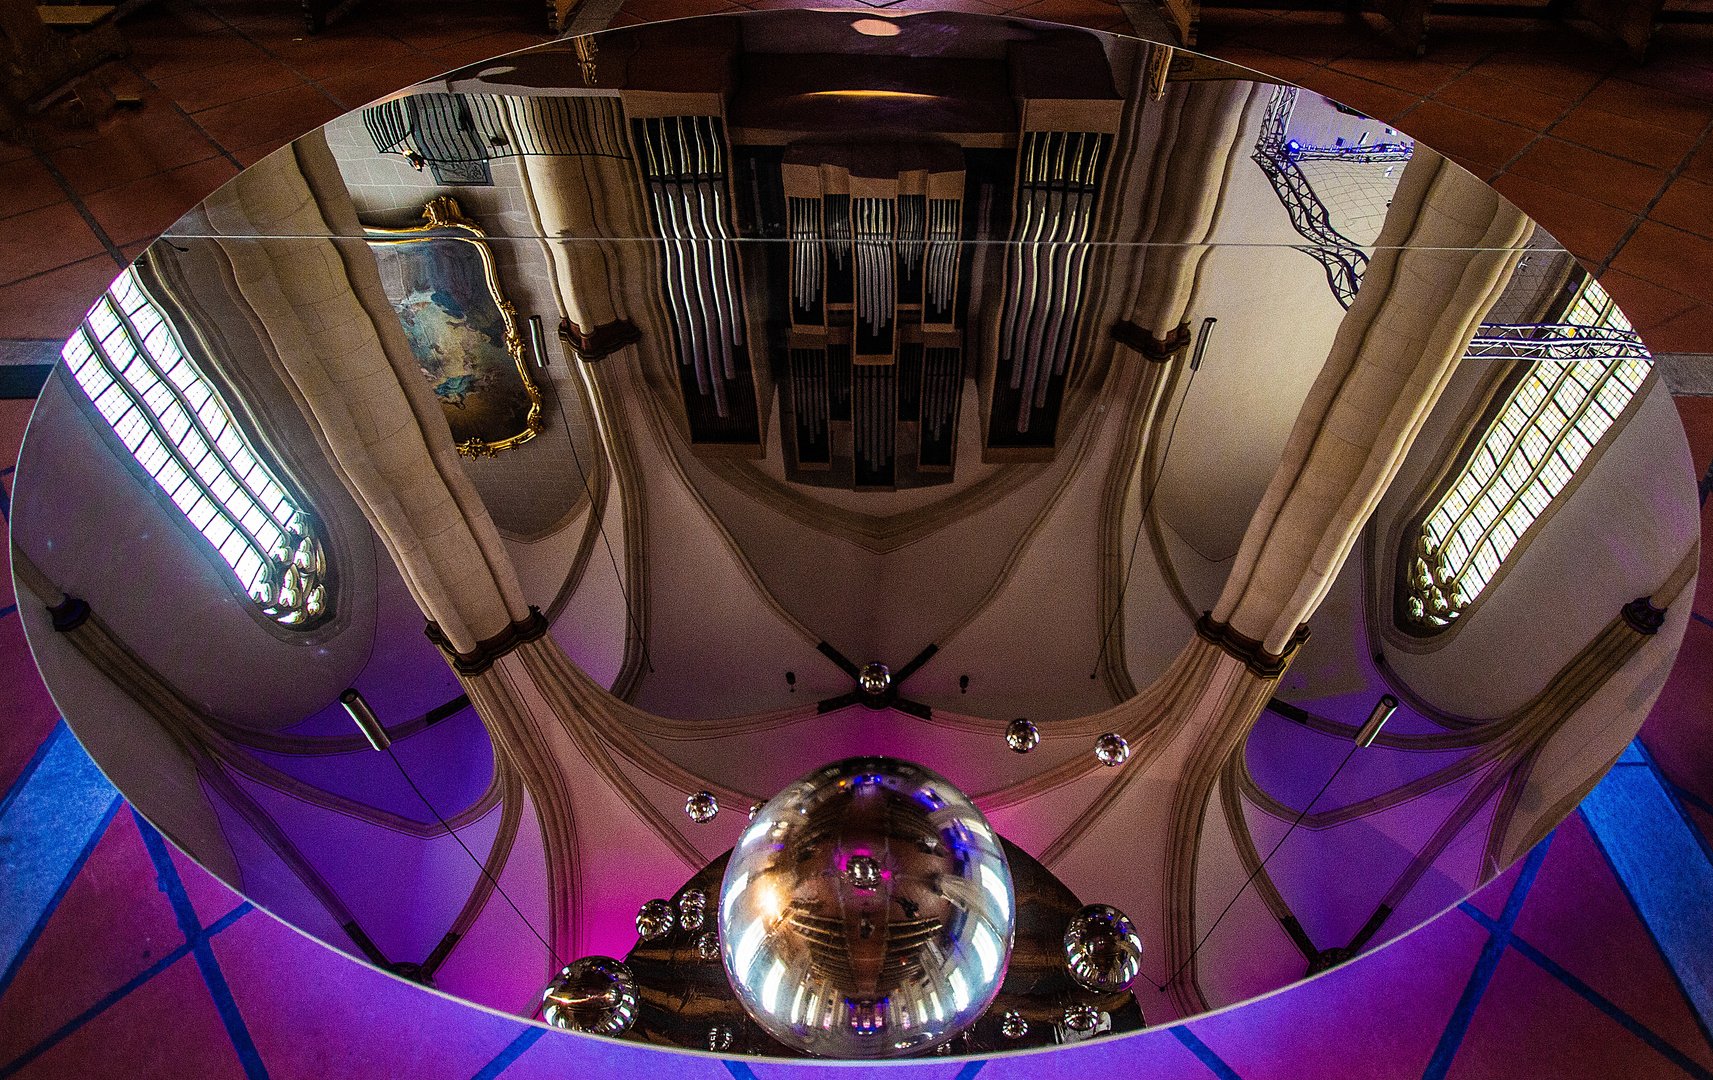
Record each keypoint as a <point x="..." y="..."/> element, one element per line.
<point x="1541" y="434"/>
<point x="132" y="365"/>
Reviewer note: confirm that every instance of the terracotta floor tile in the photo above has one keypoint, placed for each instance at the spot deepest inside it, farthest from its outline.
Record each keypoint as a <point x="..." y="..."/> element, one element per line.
<point x="176" y="55"/>
<point x="269" y="118"/>
<point x="1527" y="1015"/>
<point x="1502" y="101"/>
<point x="1587" y="229"/>
<point x="1415" y="76"/>
<point x="43" y="240"/>
<point x="335" y="52"/>
<point x="1687" y="205"/>
<point x="1627" y="136"/>
<point x="1095" y="14"/>
<point x="1689" y="331"/>
<point x="223" y="84"/>
<point x="1646" y="304"/>
<point x="1461" y="41"/>
<point x="1483" y="173"/>
<point x="1610" y="180"/>
<point x="112" y="924"/>
<point x="1700" y="167"/>
<point x="974" y="7"/>
<point x="133" y="145"/>
<point x="1280" y="67"/>
<point x="1670" y="258"/>
<point x="1540" y="74"/>
<point x="1661" y="108"/>
<point x="1381" y="102"/>
<point x="361" y="87"/>
<point x="51" y="305"/>
<point x="29" y="186"/>
<point x="1306" y="41"/>
<point x="1219" y="25"/>
<point x="1685" y="79"/>
<point x="1578" y="914"/>
<point x="1464" y="134"/>
<point x="478" y="49"/>
<point x="660" y="10"/>
<point x="434" y="26"/>
<point x="252" y="154"/>
<point x="169" y="1026"/>
<point x="1686" y="44"/>
<point x="142" y="209"/>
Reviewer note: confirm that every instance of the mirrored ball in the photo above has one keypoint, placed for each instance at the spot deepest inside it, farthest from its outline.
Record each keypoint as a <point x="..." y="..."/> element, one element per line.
<point x="692" y="908"/>
<point x="1082" y="1018"/>
<point x="655" y="920"/>
<point x="708" y="946"/>
<point x="1103" y="952"/>
<point x="1013" y="1026"/>
<point x="595" y="994"/>
<point x="1022" y="735"/>
<point x="702" y="807"/>
<point x="874" y="678"/>
<point x="867" y="912"/>
<point x="1112" y="749"/>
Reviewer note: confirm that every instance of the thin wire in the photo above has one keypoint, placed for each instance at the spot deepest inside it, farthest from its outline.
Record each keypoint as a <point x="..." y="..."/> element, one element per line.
<point x="480" y="865"/>
<point x="1252" y="874"/>
<point x="1124" y="586"/>
<point x="601" y="524"/>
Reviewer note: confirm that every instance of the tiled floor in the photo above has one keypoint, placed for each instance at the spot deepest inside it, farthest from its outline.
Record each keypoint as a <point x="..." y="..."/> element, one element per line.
<point x="137" y="964"/>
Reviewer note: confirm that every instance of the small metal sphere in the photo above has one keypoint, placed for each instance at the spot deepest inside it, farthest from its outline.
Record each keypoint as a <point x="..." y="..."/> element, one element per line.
<point x="754" y="809"/>
<point x="692" y="907"/>
<point x="702" y="807"/>
<point x="1103" y="952"/>
<point x="720" y="1037"/>
<point x="1111" y="749"/>
<point x="655" y="920"/>
<point x="867" y="912"/>
<point x="1022" y="735"/>
<point x="1082" y="1018"/>
<point x="875" y="678"/>
<point x="1012" y="1025"/>
<point x="864" y="872"/>
<point x="596" y="994"/>
<point x="708" y="946"/>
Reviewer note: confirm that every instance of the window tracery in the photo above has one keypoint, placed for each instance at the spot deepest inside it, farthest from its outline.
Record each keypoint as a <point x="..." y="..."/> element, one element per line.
<point x="1543" y="431"/>
<point x="130" y="362"/>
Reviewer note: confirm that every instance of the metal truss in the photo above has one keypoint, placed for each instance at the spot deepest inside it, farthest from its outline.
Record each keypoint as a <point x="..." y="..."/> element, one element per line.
<point x="1343" y="258"/>
<point x="1553" y="341"/>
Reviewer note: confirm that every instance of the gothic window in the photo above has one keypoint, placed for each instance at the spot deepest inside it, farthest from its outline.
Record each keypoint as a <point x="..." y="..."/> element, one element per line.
<point x="136" y="372"/>
<point x="1546" y="424"/>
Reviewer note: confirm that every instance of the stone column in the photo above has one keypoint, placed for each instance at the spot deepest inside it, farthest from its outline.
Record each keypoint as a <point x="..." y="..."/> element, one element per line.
<point x="580" y="203"/>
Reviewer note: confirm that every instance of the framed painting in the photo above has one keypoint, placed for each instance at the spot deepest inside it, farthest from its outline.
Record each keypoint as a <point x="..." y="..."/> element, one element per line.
<point x="441" y="279"/>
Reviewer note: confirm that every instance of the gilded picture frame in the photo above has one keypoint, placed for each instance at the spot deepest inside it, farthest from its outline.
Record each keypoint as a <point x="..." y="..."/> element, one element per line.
<point x="442" y="281"/>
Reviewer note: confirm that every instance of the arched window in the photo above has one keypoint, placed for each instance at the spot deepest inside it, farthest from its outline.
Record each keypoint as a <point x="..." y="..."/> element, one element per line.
<point x="130" y="362"/>
<point x="1577" y="377"/>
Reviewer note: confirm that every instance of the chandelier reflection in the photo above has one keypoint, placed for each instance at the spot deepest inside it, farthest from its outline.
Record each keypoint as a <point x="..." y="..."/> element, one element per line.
<point x="867" y="912"/>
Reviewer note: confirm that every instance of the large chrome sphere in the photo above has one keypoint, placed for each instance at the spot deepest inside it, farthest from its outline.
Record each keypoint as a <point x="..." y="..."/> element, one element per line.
<point x="867" y="911"/>
<point x="596" y="994"/>
<point x="1103" y="952"/>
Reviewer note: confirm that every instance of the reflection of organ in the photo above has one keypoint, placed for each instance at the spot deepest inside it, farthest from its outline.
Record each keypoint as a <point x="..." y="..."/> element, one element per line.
<point x="683" y="159"/>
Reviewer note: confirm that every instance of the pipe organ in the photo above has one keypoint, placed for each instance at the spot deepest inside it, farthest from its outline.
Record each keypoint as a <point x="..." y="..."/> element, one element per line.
<point x="683" y="163"/>
<point x="1058" y="184"/>
<point x="842" y="270"/>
